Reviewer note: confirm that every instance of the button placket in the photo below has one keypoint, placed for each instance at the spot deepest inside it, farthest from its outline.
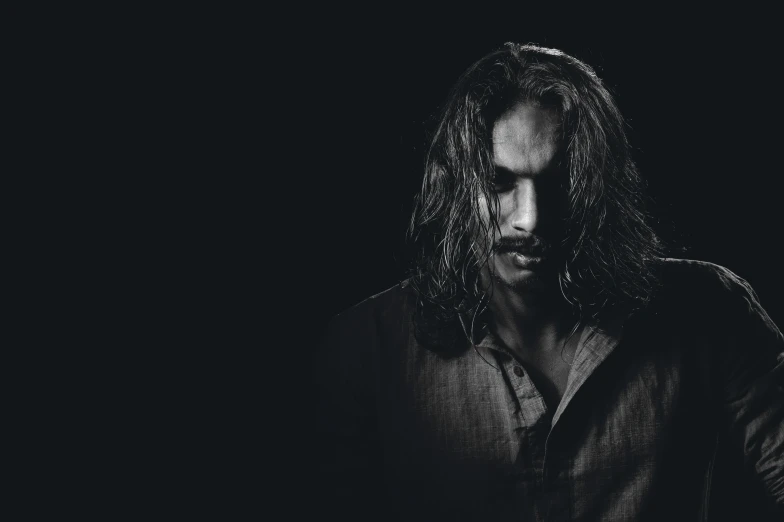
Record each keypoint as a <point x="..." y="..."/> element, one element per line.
<point x="530" y="400"/>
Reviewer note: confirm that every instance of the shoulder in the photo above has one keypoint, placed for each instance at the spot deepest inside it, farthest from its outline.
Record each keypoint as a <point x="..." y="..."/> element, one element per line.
<point x="701" y="281"/>
<point x="704" y="290"/>
<point x="698" y="272"/>
<point x="388" y="302"/>
<point x="379" y="315"/>
<point x="349" y="347"/>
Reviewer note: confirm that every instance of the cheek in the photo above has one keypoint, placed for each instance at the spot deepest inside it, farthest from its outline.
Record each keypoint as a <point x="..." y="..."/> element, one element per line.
<point x="504" y="205"/>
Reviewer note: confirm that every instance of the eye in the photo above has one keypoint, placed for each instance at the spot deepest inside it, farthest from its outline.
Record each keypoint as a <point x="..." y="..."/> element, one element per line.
<point x="502" y="181"/>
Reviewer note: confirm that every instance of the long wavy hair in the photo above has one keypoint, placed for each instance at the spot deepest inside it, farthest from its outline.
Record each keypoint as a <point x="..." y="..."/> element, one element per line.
<point x="608" y="245"/>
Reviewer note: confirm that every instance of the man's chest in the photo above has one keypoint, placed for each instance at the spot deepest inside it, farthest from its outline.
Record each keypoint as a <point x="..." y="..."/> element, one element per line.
<point x="465" y="413"/>
<point x="549" y="375"/>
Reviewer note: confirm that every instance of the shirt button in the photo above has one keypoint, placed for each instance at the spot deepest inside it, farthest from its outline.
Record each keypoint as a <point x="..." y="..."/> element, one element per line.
<point x="518" y="371"/>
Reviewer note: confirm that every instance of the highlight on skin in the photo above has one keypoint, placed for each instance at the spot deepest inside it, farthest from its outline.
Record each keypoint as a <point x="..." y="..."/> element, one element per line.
<point x="608" y="249"/>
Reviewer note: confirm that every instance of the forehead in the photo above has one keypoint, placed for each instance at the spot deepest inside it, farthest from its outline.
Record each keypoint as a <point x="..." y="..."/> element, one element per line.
<point x="525" y="138"/>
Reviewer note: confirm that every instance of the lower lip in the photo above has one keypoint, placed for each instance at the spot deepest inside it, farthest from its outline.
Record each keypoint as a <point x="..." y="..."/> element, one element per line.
<point x="527" y="262"/>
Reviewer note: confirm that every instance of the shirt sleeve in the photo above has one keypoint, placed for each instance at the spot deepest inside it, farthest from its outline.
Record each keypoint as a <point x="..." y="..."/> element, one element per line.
<point x="752" y="375"/>
<point x="346" y="427"/>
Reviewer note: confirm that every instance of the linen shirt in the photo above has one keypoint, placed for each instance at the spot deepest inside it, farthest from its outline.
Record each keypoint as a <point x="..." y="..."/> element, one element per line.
<point x="408" y="433"/>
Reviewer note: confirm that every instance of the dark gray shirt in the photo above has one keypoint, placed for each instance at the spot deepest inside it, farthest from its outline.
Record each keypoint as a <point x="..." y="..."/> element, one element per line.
<point x="410" y="434"/>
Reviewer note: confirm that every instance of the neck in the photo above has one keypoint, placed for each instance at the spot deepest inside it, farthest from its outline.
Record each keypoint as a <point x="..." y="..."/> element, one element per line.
<point x="530" y="321"/>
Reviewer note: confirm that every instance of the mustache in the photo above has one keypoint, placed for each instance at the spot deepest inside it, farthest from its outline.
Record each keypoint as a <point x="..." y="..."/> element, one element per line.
<point x="527" y="245"/>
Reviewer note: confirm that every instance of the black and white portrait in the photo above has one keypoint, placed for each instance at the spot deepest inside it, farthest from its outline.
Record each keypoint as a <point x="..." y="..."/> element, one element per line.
<point x="545" y="271"/>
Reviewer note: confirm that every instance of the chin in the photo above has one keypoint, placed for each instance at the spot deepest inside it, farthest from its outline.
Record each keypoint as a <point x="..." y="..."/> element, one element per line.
<point x="525" y="281"/>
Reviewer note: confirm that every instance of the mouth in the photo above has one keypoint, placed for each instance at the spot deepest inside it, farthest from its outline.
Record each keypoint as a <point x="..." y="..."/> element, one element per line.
<point x="527" y="261"/>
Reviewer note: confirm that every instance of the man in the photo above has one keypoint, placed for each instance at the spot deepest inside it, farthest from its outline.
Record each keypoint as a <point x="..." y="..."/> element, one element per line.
<point x="545" y="361"/>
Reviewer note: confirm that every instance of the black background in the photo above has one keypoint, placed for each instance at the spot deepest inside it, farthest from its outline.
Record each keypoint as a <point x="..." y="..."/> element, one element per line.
<point x="207" y="187"/>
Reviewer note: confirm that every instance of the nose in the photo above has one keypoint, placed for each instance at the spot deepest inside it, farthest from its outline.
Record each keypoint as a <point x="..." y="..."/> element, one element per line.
<point x="525" y="211"/>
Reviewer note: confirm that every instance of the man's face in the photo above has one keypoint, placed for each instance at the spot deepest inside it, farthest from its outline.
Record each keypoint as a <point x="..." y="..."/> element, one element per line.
<point x="527" y="184"/>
